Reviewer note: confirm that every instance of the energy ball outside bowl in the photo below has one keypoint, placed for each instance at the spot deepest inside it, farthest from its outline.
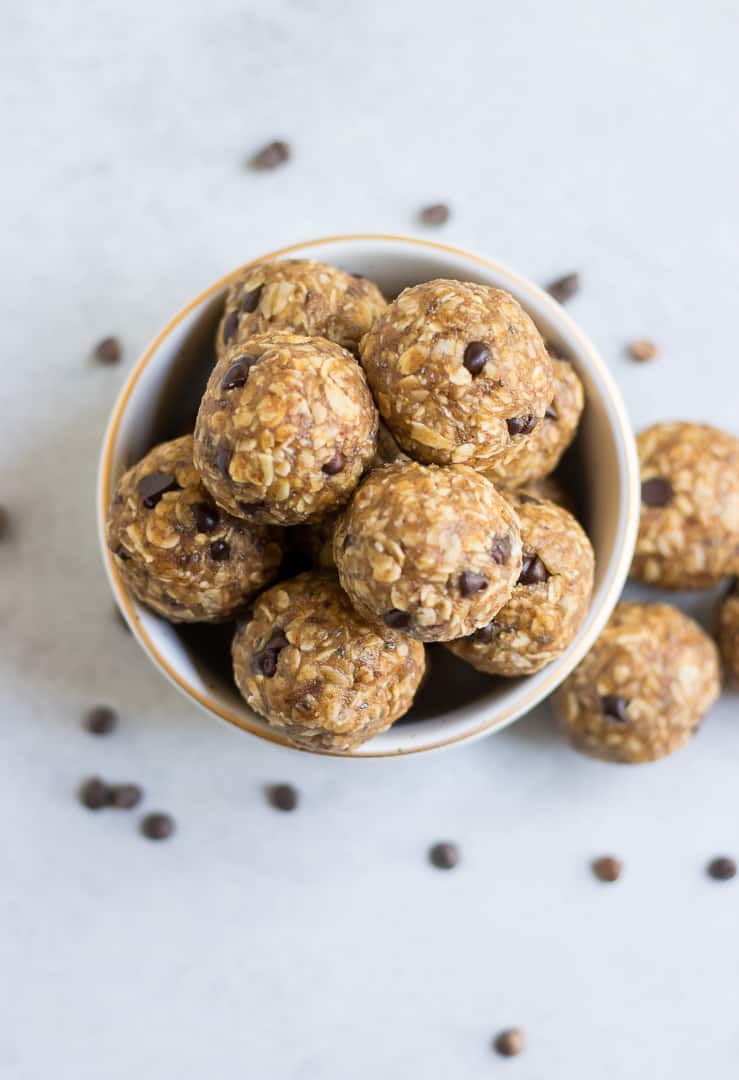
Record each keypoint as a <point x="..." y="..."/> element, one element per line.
<point x="539" y="454"/>
<point x="178" y="552"/>
<point x="320" y="673"/>
<point x="285" y="429"/>
<point x="459" y="372"/>
<point x="434" y="552"/>
<point x="549" y="601"/>
<point x="728" y="631"/>
<point x="689" y="523"/>
<point x="302" y="296"/>
<point x="644" y="687"/>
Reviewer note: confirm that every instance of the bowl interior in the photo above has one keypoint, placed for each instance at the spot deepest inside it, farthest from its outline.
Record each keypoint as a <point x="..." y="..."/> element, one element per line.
<point x="160" y="402"/>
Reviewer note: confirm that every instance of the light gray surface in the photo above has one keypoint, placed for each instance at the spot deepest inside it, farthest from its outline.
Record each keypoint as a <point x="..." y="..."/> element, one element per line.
<point x="321" y="945"/>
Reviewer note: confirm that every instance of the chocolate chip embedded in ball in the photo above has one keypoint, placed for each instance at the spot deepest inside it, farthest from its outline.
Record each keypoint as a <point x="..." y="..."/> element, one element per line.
<point x="101" y="720"/>
<point x="533" y="571"/>
<point x="230" y="326"/>
<point x="396" y="619"/>
<point x="157" y="826"/>
<point x="238" y="373"/>
<point x="265" y="661"/>
<point x="471" y="582"/>
<point x="444" y="856"/>
<point x="219" y="550"/>
<point x="476" y="356"/>
<point x="206" y="517"/>
<point x="614" y="707"/>
<point x="152" y="487"/>
<point x="501" y="549"/>
<point x="657" y="491"/>
<point x="335" y="464"/>
<point x="510" y="1042"/>
<point x="607" y="868"/>
<point x="250" y="299"/>
<point x="521" y="425"/>
<point x="222" y="460"/>
<point x="283" y="797"/>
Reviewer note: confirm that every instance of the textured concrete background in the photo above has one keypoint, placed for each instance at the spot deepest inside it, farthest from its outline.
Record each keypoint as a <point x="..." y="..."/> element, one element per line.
<point x="321" y="945"/>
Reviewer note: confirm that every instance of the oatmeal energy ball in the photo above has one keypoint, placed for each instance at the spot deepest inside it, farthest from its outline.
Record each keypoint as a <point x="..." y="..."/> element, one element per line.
<point x="433" y="552"/>
<point x="459" y="372"/>
<point x="550" y="598"/>
<point x="285" y="429"/>
<point x="176" y="550"/>
<point x="540" y="454"/>
<point x="689" y="526"/>
<point x="644" y="687"/>
<point x="304" y="297"/>
<point x="318" y="671"/>
<point x="728" y="631"/>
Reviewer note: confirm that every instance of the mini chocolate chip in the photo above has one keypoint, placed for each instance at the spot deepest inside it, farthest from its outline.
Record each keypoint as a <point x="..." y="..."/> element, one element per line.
<point x="157" y="826"/>
<point x="501" y="549"/>
<point x="152" y="487"/>
<point x="219" y="550"/>
<point x="533" y="571"/>
<point x="94" y="793"/>
<point x="121" y="553"/>
<point x="334" y="464"/>
<point x="265" y="661"/>
<point x="238" y="373"/>
<point x="486" y="634"/>
<point x="524" y="498"/>
<point x="476" y="356"/>
<point x="510" y="1042"/>
<point x="272" y="155"/>
<point x="437" y="214"/>
<point x="722" y="868"/>
<point x="551" y="413"/>
<point x="564" y="288"/>
<point x="282" y="796"/>
<point x="108" y="351"/>
<point x="222" y="460"/>
<point x="521" y="425"/>
<point x="471" y="582"/>
<point x="642" y="350"/>
<point x="101" y="720"/>
<point x="444" y="856"/>
<point x="607" y="868"/>
<point x="250" y="300"/>
<point x="206" y="517"/>
<point x="614" y="707"/>
<point x="125" y="796"/>
<point x="230" y="326"/>
<point x="657" y="491"/>
<point x="396" y="619"/>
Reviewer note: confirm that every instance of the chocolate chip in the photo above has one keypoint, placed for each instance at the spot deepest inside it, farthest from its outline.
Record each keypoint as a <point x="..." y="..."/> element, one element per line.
<point x="564" y="288"/>
<point x="238" y="373"/>
<point x="722" y="868"/>
<point x="657" y="491"/>
<point x="94" y="793"/>
<point x="471" y="582"/>
<point x="551" y="413"/>
<point x="396" y="619"/>
<point x="250" y="300"/>
<point x="125" y="796"/>
<point x="206" y="517"/>
<point x="607" y="868"/>
<point x="642" y="350"/>
<point x="219" y="550"/>
<point x="486" y="634"/>
<point x="501" y="549"/>
<point x="533" y="571"/>
<point x="265" y="661"/>
<point x="437" y="214"/>
<point x="334" y="464"/>
<point x="108" y="351"/>
<point x="121" y="553"/>
<point x="476" y="356"/>
<point x="282" y="796"/>
<point x="521" y="425"/>
<point x="157" y="826"/>
<point x="222" y="460"/>
<point x="444" y="856"/>
<point x="348" y="541"/>
<point x="272" y="155"/>
<point x="614" y="707"/>
<point x="510" y="1042"/>
<point x="101" y="720"/>
<point x="152" y="487"/>
<point x="230" y="326"/>
<point x="524" y="498"/>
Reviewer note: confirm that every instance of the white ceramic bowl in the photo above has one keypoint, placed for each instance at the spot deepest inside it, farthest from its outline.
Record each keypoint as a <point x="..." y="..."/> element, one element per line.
<point x="159" y="401"/>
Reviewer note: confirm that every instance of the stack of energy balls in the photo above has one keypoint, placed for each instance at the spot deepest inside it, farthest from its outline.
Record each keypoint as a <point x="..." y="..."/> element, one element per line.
<point x="653" y="674"/>
<point x="407" y="449"/>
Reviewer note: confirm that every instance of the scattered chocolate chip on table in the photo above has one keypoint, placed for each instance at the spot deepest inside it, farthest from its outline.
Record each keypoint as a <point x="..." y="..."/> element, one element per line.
<point x="125" y="796"/>
<point x="282" y="797"/>
<point x="510" y="1042"/>
<point x="272" y="155"/>
<point x="108" y="350"/>
<point x="444" y="855"/>
<point x="157" y="826"/>
<point x="722" y="868"/>
<point x="642" y="350"/>
<point x="436" y="214"/>
<point x="564" y="288"/>
<point x="101" y="720"/>
<point x="607" y="868"/>
<point x="94" y="793"/>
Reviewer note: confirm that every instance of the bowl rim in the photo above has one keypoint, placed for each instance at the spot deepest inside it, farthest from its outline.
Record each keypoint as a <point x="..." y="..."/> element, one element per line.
<point x="502" y="716"/>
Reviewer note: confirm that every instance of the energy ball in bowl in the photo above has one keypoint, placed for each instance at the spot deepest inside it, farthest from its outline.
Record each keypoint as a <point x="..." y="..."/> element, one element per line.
<point x="177" y="552"/>
<point x="644" y="687"/>
<point x="302" y="296"/>
<point x="432" y="552"/>
<point x="728" y="631"/>
<point x="285" y="429"/>
<point x="689" y="524"/>
<point x="459" y="372"/>
<point x="550" y="599"/>
<point x="540" y="454"/>
<point x="320" y="673"/>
